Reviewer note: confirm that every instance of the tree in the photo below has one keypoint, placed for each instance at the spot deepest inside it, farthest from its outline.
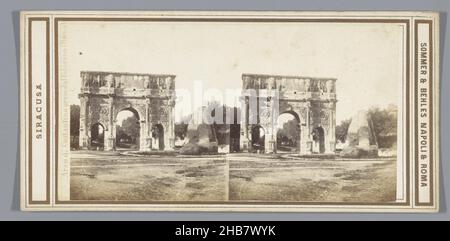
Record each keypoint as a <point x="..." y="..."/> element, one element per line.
<point x="342" y="129"/>
<point x="74" y="125"/>
<point x="290" y="130"/>
<point x="384" y="123"/>
<point x="130" y="127"/>
<point x="74" y="120"/>
<point x="181" y="130"/>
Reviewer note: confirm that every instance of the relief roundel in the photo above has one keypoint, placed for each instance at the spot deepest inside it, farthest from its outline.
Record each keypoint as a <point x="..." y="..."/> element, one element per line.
<point x="303" y="114"/>
<point x="324" y="116"/>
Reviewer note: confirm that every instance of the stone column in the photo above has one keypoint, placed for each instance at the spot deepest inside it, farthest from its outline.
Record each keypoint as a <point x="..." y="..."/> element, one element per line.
<point x="327" y="140"/>
<point x="244" y="140"/>
<point x="110" y="133"/>
<point x="145" y="139"/>
<point x="145" y="134"/>
<point x="84" y="127"/>
<point x="332" y="124"/>
<point x="142" y="136"/>
<point x="166" y="138"/>
<point x="170" y="145"/>
<point x="114" y="131"/>
<point x="269" y="145"/>
<point x="306" y="141"/>
<point x="270" y="139"/>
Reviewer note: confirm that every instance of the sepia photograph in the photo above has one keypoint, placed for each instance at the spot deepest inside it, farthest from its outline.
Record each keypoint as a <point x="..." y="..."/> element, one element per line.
<point x="232" y="111"/>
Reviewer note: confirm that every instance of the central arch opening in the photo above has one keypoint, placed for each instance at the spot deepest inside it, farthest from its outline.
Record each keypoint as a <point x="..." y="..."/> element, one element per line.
<point x="258" y="138"/>
<point x="158" y="137"/>
<point x="288" y="132"/>
<point x="127" y="129"/>
<point x="97" y="136"/>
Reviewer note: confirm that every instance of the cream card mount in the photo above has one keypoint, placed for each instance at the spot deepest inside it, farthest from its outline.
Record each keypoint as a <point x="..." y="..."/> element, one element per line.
<point x="229" y="111"/>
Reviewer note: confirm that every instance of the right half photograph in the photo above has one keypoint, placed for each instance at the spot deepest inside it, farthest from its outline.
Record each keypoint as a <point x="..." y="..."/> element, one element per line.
<point x="331" y="140"/>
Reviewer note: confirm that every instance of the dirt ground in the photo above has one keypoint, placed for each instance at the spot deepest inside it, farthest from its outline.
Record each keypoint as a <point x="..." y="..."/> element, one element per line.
<point x="111" y="176"/>
<point x="313" y="180"/>
<point x="249" y="177"/>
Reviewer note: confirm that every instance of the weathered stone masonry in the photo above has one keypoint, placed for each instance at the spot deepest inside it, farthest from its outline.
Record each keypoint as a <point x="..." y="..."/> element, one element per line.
<point x="311" y="100"/>
<point x="150" y="97"/>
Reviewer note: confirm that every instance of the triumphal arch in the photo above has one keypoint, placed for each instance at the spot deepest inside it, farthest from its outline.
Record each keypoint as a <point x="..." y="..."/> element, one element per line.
<point x="150" y="97"/>
<point x="312" y="101"/>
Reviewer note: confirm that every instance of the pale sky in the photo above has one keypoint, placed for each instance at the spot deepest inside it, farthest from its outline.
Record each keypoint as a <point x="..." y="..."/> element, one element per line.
<point x="366" y="58"/>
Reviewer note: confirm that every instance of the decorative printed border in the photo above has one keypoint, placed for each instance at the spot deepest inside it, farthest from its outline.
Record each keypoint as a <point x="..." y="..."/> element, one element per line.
<point x="259" y="20"/>
<point x="30" y="110"/>
<point x="430" y="114"/>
